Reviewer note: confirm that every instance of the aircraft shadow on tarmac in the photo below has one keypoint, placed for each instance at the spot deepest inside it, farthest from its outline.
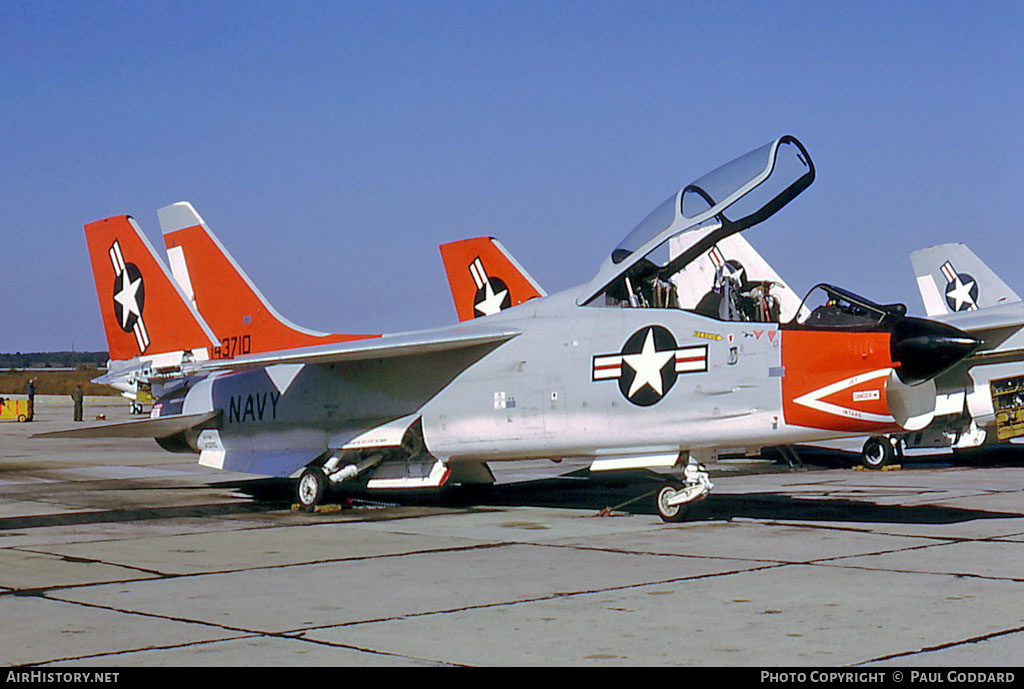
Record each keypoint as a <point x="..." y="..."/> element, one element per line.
<point x="632" y="494"/>
<point x="635" y="496"/>
<point x="1001" y="456"/>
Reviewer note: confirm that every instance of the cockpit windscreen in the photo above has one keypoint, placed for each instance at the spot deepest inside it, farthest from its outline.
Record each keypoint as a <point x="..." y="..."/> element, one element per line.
<point x="831" y="307"/>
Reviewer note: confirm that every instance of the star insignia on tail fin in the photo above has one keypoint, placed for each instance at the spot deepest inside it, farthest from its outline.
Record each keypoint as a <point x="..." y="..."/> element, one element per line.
<point x="129" y="295"/>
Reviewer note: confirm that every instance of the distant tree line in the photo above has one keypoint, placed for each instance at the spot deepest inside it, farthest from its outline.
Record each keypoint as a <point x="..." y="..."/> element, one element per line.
<point x="53" y="359"/>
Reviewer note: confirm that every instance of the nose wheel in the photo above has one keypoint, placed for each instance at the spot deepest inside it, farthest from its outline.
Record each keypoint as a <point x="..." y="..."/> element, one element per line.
<point x="667" y="511"/>
<point x="878" y="452"/>
<point x="673" y="499"/>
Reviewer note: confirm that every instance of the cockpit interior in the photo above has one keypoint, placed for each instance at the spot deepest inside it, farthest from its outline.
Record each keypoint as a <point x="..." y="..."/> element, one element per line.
<point x="731" y="297"/>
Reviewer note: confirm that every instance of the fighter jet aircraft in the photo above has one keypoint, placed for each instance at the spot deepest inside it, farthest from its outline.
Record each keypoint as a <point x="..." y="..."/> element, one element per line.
<point x="981" y="399"/>
<point x="610" y="369"/>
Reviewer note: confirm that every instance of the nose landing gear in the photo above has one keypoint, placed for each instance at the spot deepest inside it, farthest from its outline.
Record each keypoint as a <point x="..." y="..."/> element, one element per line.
<point x="673" y="500"/>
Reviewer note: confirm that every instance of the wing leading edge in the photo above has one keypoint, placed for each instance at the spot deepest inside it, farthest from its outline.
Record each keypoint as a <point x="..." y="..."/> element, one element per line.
<point x="385" y="347"/>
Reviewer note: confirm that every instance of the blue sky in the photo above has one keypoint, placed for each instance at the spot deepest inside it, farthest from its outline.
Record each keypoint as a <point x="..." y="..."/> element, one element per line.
<point x="332" y="146"/>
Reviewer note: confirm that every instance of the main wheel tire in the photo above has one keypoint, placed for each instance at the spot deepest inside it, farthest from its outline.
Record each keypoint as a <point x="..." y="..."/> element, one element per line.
<point x="670" y="513"/>
<point x="877" y="453"/>
<point x="311" y="488"/>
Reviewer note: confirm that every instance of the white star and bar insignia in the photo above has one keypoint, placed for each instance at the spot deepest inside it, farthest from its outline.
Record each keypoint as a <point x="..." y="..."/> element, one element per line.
<point x="648" y="365"/>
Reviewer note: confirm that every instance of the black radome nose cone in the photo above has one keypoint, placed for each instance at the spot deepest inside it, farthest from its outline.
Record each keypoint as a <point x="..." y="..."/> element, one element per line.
<point x="925" y="348"/>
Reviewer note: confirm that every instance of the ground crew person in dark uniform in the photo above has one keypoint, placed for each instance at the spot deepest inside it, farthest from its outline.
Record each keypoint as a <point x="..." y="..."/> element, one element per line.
<point x="31" y="398"/>
<point x="77" y="397"/>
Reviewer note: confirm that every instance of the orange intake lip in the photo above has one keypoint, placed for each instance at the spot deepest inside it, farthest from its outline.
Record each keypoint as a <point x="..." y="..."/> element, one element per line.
<point x="836" y="380"/>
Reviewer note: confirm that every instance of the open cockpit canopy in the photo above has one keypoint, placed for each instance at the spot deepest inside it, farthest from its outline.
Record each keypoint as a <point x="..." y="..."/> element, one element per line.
<point x="730" y="199"/>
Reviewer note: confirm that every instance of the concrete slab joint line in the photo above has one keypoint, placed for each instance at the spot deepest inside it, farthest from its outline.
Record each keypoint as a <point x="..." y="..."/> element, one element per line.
<point x="246" y="633"/>
<point x="951" y="644"/>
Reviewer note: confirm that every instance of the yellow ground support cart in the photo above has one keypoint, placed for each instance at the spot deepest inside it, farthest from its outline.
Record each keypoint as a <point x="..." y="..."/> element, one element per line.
<point x="143" y="398"/>
<point x="1008" y="401"/>
<point x="13" y="410"/>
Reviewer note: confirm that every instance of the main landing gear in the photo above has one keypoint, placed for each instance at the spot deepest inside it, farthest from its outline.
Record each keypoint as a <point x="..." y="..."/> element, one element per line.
<point x="316" y="481"/>
<point x="312" y="488"/>
<point x="673" y="500"/>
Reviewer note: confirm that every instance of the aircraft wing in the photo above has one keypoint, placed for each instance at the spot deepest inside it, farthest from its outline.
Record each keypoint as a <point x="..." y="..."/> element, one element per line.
<point x="995" y="326"/>
<point x="987" y="320"/>
<point x="385" y="347"/>
<point x="444" y="353"/>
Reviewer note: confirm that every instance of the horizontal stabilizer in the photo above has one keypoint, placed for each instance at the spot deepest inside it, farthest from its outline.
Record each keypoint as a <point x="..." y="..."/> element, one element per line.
<point x="141" y="428"/>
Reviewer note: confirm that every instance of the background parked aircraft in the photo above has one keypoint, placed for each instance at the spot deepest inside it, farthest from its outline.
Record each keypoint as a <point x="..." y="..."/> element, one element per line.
<point x="484" y="278"/>
<point x="981" y="400"/>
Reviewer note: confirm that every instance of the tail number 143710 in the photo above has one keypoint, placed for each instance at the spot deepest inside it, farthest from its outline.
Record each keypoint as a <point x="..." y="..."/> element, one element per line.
<point x="230" y="347"/>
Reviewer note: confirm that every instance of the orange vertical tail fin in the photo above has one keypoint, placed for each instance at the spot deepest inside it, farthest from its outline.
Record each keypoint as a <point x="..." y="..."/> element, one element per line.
<point x="144" y="310"/>
<point x="484" y="278"/>
<point x="242" y="318"/>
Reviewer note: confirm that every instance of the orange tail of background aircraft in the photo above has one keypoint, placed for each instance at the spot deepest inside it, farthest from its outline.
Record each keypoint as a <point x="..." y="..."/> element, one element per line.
<point x="484" y="278"/>
<point x="144" y="311"/>
<point x="243" y="319"/>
